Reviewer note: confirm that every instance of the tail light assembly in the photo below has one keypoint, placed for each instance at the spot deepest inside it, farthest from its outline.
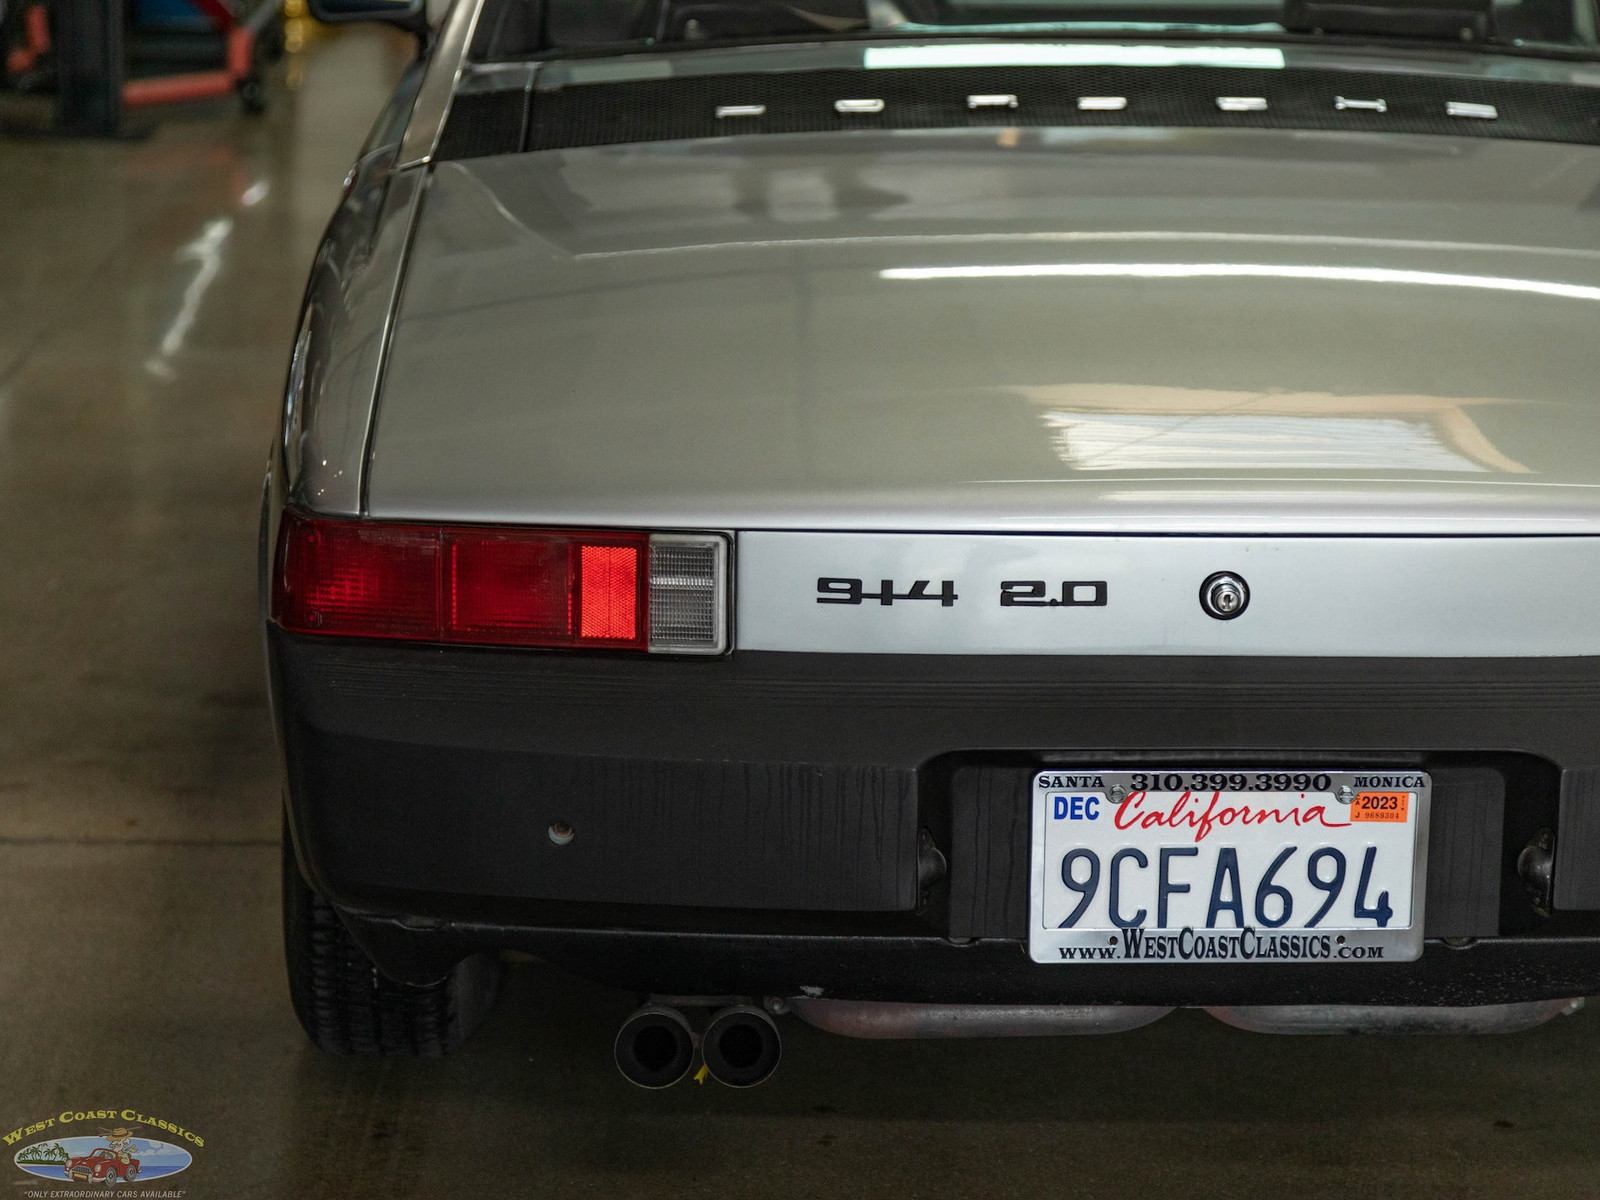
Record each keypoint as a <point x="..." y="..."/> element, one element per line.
<point x="560" y="589"/>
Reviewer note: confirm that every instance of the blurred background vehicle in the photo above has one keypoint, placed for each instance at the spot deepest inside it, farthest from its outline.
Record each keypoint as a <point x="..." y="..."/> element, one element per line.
<point x="100" y="60"/>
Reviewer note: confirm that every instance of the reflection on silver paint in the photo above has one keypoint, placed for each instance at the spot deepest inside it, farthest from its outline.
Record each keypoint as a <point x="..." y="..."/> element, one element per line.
<point x="1111" y="427"/>
<point x="1389" y="597"/>
<point x="1538" y="287"/>
<point x="1068" y="237"/>
<point x="294" y="394"/>
<point x="1430" y="61"/>
<point x="445" y="64"/>
<point x="338" y="408"/>
<point x="497" y="77"/>
<point x="1084" y="54"/>
<point x="1109" y="442"/>
<point x="718" y="335"/>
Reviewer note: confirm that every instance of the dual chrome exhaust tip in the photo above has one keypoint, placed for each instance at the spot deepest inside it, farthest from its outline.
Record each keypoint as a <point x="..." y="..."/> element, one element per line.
<point x="740" y="1047"/>
<point x="655" y="1047"/>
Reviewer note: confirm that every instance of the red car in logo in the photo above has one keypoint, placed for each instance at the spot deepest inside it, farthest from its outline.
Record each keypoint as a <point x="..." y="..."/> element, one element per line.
<point x="102" y="1166"/>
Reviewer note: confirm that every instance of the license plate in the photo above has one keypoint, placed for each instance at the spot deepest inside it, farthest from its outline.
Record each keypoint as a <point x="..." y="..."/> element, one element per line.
<point x="1167" y="866"/>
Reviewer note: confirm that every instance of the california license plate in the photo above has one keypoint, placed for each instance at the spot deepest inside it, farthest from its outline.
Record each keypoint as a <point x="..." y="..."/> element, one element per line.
<point x="1167" y="866"/>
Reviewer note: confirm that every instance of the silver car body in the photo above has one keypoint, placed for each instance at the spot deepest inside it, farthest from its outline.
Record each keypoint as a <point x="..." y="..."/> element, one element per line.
<point x="1357" y="368"/>
<point x="1262" y="333"/>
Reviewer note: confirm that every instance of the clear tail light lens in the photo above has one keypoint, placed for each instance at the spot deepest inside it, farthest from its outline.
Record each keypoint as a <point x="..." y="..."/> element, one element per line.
<point x="483" y="585"/>
<point x="688" y="592"/>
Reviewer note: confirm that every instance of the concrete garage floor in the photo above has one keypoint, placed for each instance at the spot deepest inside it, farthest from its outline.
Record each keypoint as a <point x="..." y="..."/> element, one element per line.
<point x="147" y="299"/>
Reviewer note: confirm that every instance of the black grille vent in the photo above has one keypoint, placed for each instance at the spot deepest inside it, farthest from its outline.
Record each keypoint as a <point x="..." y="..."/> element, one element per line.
<point x="803" y="102"/>
<point x="484" y="123"/>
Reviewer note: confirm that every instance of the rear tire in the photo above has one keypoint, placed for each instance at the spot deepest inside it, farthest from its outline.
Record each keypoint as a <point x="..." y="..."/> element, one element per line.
<point x="347" y="1006"/>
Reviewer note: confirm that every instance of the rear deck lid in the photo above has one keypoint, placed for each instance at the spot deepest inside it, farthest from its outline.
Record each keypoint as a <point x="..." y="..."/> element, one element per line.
<point x="1116" y="330"/>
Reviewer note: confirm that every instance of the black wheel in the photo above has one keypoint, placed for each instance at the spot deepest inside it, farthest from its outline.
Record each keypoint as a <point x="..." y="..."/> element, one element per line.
<point x="252" y="96"/>
<point x="347" y="1006"/>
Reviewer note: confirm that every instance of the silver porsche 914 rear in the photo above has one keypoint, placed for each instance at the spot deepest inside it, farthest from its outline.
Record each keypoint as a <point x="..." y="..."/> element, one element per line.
<point x="941" y="531"/>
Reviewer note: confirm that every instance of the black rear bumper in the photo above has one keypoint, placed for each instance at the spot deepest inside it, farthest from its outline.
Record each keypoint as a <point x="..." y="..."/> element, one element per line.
<point x="935" y="970"/>
<point x="767" y="821"/>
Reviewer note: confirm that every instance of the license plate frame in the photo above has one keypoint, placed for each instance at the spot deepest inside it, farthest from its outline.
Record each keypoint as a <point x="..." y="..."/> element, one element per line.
<point x="1337" y="939"/>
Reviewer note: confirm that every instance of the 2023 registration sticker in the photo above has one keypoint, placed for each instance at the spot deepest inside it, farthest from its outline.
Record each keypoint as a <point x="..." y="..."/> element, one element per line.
<point x="1190" y="866"/>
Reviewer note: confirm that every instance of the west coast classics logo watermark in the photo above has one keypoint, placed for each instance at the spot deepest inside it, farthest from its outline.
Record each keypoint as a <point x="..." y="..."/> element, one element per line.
<point x="86" y="1153"/>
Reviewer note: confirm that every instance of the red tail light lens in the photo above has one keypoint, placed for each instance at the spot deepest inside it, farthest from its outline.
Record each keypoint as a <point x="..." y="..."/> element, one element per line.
<point x="501" y="582"/>
<point x="610" y="603"/>
<point x="499" y="587"/>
